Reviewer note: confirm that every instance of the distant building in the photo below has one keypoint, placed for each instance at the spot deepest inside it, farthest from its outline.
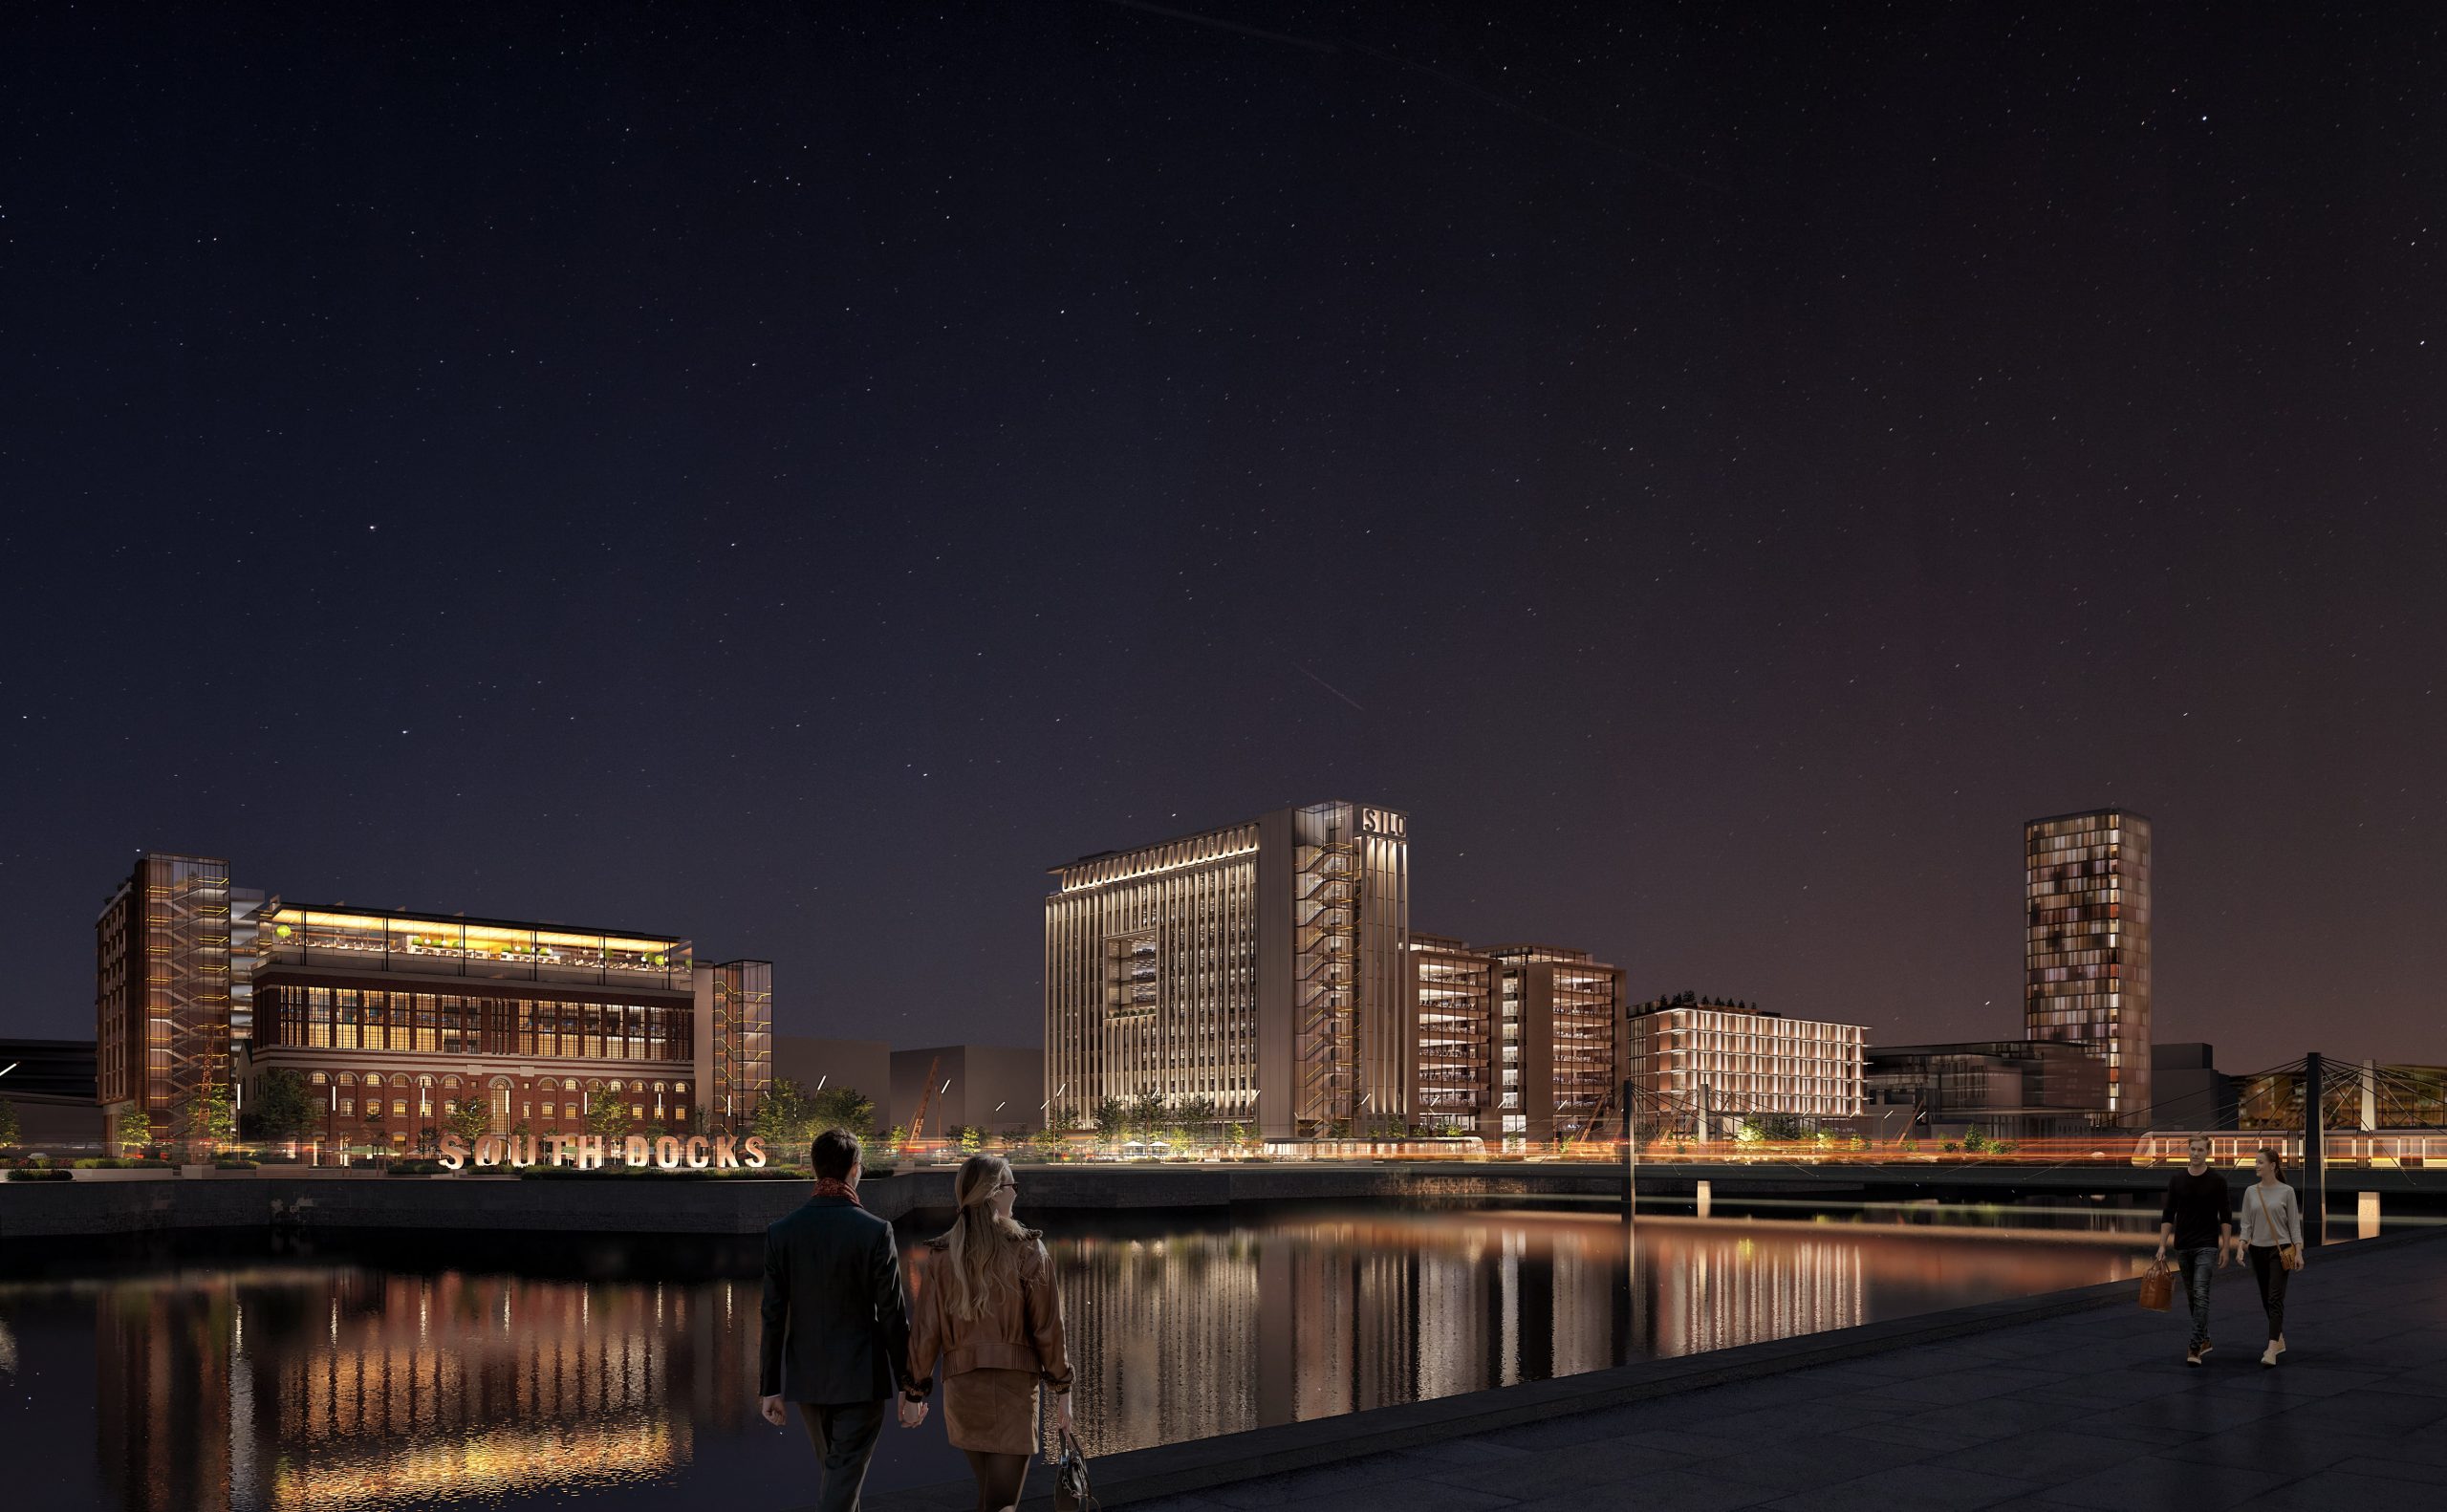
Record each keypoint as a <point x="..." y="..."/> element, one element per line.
<point x="398" y="1020"/>
<point x="1261" y="965"/>
<point x="2353" y="1095"/>
<point x="1704" y="1065"/>
<point x="1514" y="1043"/>
<point x="996" y="1088"/>
<point x="2006" y="1088"/>
<point x="2087" y="946"/>
<point x="2187" y="1089"/>
<point x="822" y="1065"/>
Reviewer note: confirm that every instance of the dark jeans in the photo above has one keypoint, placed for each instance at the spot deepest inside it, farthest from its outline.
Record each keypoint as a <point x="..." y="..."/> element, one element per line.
<point x="844" y="1434"/>
<point x="2197" y="1266"/>
<point x="2270" y="1273"/>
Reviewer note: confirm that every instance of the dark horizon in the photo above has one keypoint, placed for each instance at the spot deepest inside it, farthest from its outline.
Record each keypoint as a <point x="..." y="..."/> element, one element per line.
<point x="787" y="477"/>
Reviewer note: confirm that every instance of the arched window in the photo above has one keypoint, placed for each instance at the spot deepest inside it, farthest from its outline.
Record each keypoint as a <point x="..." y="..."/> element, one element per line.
<point x="591" y="1085"/>
<point x="348" y="1078"/>
<point x="451" y="1083"/>
<point x="570" y="1085"/>
<point x="321" y="1080"/>
<point x="614" y="1087"/>
<point x="659" y="1088"/>
<point x="425" y="1081"/>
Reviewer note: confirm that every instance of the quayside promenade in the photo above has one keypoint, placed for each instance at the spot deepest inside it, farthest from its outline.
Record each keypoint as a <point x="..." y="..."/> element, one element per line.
<point x="2074" y="1400"/>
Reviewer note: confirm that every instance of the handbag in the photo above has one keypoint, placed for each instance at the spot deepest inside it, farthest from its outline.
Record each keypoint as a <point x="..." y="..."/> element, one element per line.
<point x="2158" y="1286"/>
<point x="1070" y="1489"/>
<point x="2288" y="1256"/>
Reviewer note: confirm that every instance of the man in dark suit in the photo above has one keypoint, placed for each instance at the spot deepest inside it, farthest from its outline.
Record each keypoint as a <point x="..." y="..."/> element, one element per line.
<point x="836" y="1323"/>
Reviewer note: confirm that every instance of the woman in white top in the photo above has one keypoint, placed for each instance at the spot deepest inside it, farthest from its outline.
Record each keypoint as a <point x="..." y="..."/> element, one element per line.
<point x="2272" y="1224"/>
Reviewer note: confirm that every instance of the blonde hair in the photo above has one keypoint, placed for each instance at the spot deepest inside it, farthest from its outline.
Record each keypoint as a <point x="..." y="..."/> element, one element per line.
<point x="984" y="1249"/>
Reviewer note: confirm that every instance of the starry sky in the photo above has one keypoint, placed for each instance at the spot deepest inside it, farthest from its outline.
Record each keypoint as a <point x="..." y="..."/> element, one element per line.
<point x="787" y="474"/>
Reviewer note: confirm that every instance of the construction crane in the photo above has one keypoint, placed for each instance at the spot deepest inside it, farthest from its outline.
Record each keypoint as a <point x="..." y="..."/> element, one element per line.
<point x="925" y="1099"/>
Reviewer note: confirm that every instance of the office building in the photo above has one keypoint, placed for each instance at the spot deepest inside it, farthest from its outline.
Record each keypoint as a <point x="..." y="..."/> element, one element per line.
<point x="1453" y="1068"/>
<point x="397" y="1020"/>
<point x="2187" y="1089"/>
<point x="2087" y="946"/>
<point x="1560" y="1056"/>
<point x="1701" y="1067"/>
<point x="2005" y="1088"/>
<point x="1261" y="965"/>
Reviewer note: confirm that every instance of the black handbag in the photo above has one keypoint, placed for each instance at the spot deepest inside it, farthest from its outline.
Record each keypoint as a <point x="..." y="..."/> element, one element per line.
<point x="1071" y="1490"/>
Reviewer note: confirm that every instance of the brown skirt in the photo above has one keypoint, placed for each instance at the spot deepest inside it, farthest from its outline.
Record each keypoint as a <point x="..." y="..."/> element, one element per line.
<point x="992" y="1412"/>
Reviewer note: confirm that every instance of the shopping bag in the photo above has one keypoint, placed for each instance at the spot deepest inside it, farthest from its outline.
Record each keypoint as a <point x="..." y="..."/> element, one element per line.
<point x="2158" y="1286"/>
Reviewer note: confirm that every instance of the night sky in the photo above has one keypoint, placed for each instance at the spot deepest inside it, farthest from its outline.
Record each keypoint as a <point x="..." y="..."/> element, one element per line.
<point x="786" y="475"/>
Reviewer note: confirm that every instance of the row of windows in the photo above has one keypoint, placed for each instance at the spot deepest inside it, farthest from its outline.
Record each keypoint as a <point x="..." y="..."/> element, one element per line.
<point x="446" y="1024"/>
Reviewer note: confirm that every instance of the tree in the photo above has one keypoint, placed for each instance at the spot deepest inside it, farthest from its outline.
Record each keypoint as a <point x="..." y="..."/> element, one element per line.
<point x="1147" y="1114"/>
<point x="1112" y="1120"/>
<point x="1200" y="1115"/>
<point x="1046" y="1141"/>
<point x="607" y="1113"/>
<point x="843" y="1107"/>
<point x="784" y="1115"/>
<point x="284" y="1106"/>
<point x="970" y="1138"/>
<point x="135" y="1130"/>
<point x="8" y="1124"/>
<point x="210" y="1119"/>
<point x="471" y="1121"/>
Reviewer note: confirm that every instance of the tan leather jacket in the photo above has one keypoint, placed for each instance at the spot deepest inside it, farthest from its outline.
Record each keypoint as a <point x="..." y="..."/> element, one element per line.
<point x="1018" y="1329"/>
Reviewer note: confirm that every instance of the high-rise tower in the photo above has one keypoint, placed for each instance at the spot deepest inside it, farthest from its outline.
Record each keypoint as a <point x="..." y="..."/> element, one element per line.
<point x="2086" y="946"/>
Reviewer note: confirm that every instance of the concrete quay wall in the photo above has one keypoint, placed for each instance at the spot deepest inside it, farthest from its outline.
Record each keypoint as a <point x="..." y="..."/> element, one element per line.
<point x="614" y="1204"/>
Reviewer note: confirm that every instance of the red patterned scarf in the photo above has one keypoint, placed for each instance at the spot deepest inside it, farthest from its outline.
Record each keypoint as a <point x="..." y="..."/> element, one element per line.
<point x="829" y="1186"/>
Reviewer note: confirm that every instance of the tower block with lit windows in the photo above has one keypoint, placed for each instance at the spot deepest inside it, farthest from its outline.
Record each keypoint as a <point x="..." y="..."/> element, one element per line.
<point x="2086" y="945"/>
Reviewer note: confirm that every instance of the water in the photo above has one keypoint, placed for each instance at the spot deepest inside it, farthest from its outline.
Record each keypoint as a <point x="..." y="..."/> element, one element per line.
<point x="622" y="1375"/>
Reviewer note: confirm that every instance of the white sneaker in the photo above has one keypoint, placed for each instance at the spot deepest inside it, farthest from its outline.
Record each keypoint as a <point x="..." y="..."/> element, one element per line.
<point x="2280" y="1346"/>
<point x="2268" y="1356"/>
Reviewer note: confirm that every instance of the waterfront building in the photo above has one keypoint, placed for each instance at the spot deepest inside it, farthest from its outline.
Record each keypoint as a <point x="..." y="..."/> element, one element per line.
<point x="2005" y="1088"/>
<point x="398" y="1020"/>
<point x="1702" y="1065"/>
<point x="2086" y="945"/>
<point x="1560" y="1046"/>
<point x="1453" y="1008"/>
<point x="1260" y="965"/>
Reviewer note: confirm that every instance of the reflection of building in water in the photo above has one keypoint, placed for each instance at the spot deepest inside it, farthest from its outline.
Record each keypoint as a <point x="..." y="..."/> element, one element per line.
<point x="1720" y="1291"/>
<point x="1162" y="1333"/>
<point x="367" y="1391"/>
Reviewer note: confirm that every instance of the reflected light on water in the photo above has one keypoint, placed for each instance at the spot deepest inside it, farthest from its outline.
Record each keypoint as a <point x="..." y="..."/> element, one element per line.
<point x="342" y="1387"/>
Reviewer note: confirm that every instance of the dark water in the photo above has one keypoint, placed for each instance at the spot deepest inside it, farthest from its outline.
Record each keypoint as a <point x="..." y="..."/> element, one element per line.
<point x="568" y="1374"/>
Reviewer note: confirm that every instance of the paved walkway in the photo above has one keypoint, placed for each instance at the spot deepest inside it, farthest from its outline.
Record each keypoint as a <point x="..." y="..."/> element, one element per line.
<point x="2092" y="1409"/>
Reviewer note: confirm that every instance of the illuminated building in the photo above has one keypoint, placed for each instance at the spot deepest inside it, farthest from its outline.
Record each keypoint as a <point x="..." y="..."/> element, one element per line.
<point x="1260" y="966"/>
<point x="1696" y="1062"/>
<point x="398" y="1020"/>
<point x="1559" y="1066"/>
<point x="2006" y="1088"/>
<point x="1453" y="1005"/>
<point x="2086" y="945"/>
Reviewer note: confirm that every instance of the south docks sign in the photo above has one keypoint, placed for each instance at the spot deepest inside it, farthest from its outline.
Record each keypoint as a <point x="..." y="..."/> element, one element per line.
<point x="596" y="1152"/>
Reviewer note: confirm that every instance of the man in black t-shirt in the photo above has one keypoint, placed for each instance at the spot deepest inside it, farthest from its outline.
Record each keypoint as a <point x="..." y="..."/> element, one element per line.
<point x="2198" y="1215"/>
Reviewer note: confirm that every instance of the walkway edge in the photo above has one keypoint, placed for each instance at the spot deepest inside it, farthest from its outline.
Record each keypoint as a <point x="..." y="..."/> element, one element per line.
<point x="1201" y="1464"/>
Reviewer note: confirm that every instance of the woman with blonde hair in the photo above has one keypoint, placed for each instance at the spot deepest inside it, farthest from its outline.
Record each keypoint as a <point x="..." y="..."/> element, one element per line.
<point x="987" y="1308"/>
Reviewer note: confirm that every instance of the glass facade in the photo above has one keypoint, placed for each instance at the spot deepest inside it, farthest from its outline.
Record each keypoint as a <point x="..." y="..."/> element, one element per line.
<point x="163" y="988"/>
<point x="351" y="1018"/>
<point x="1453" y="1002"/>
<point x="2086" y="945"/>
<point x="431" y="945"/>
<point x="740" y="1068"/>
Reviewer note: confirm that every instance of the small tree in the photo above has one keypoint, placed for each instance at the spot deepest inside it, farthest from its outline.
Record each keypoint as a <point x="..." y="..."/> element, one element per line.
<point x="1046" y="1141"/>
<point x="970" y="1138"/>
<point x="8" y="1124"/>
<point x="284" y="1106"/>
<point x="210" y="1119"/>
<point x="607" y="1114"/>
<point x="898" y="1137"/>
<point x="470" y="1121"/>
<point x="843" y="1107"/>
<point x="1112" y="1121"/>
<point x="785" y="1115"/>
<point x="135" y="1130"/>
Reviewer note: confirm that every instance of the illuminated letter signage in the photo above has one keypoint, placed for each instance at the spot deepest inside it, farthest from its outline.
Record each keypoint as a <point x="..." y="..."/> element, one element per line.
<point x="1383" y="821"/>
<point x="590" y="1153"/>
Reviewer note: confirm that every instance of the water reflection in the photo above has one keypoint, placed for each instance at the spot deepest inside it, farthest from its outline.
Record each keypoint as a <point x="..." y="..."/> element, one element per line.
<point x="312" y="1387"/>
<point x="341" y="1384"/>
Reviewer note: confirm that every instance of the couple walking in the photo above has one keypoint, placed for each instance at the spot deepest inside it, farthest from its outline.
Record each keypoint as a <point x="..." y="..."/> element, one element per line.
<point x="838" y="1330"/>
<point x="2198" y="1222"/>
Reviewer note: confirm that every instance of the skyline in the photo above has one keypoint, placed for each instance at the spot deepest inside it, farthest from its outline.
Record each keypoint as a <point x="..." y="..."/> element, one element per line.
<point x="788" y="479"/>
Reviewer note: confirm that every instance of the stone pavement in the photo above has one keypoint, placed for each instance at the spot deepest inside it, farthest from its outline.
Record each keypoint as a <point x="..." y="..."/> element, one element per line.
<point x="2092" y="1409"/>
